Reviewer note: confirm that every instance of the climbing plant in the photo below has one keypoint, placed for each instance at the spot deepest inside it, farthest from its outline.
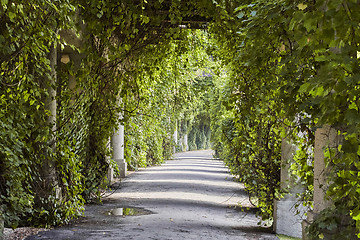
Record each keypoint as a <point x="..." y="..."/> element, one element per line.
<point x="264" y="71"/>
<point x="60" y="165"/>
<point x="199" y="135"/>
<point x="251" y="131"/>
<point x="293" y="68"/>
<point x="28" y="32"/>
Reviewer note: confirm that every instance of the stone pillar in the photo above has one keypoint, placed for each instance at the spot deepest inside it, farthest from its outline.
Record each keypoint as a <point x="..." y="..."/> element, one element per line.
<point x="175" y="137"/>
<point x="186" y="147"/>
<point x="110" y="174"/>
<point x="118" y="143"/>
<point x="288" y="218"/>
<point x="51" y="89"/>
<point x="325" y="137"/>
<point x="48" y="173"/>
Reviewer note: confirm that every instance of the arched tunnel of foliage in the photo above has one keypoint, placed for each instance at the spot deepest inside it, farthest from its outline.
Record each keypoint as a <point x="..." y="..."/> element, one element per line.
<point x="257" y="72"/>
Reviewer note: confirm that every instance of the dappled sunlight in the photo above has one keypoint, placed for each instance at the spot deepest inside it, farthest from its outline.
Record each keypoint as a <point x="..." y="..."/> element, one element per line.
<point x="195" y="183"/>
<point x="189" y="173"/>
<point x="208" y="198"/>
<point x="187" y="180"/>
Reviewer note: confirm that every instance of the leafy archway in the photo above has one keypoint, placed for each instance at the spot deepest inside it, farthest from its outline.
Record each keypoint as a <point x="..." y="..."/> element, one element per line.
<point x="262" y="71"/>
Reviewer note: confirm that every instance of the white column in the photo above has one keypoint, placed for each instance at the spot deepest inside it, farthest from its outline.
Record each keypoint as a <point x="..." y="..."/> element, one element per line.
<point x="175" y="136"/>
<point x="288" y="218"/>
<point x="110" y="174"/>
<point x="186" y="143"/>
<point x="48" y="171"/>
<point x="118" y="143"/>
<point x="325" y="137"/>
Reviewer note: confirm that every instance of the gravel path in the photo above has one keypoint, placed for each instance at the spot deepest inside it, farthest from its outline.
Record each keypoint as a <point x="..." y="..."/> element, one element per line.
<point x="190" y="197"/>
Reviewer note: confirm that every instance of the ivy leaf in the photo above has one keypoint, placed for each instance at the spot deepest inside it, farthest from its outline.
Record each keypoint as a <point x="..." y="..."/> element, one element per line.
<point x="240" y="8"/>
<point x="352" y="116"/>
<point x="4" y="3"/>
<point x="304" y="87"/>
<point x="321" y="58"/>
<point x="240" y="15"/>
<point x="100" y="14"/>
<point x="355" y="214"/>
<point x="301" y="6"/>
<point x="12" y="16"/>
<point x="145" y="19"/>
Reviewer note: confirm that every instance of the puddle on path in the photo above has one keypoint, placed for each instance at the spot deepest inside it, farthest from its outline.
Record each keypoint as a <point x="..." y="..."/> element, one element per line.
<point x="128" y="211"/>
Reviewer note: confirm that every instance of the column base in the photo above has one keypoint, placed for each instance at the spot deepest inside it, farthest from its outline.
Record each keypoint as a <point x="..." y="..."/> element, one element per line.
<point x="122" y="165"/>
<point x="110" y="175"/>
<point x="286" y="219"/>
<point x="306" y="223"/>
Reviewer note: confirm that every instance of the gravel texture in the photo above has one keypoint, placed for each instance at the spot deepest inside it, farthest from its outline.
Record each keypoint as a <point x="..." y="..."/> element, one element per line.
<point x="20" y="233"/>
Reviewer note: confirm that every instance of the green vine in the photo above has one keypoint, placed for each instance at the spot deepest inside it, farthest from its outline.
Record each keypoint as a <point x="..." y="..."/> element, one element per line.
<point x="262" y="71"/>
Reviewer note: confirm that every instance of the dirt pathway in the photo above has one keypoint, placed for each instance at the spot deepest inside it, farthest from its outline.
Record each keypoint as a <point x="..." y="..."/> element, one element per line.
<point x="190" y="197"/>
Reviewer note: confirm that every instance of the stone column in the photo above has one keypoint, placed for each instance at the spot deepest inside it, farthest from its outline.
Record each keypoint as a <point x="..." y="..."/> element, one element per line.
<point x="51" y="89"/>
<point x="325" y="137"/>
<point x="110" y="174"/>
<point x="48" y="173"/>
<point x="288" y="218"/>
<point x="175" y="137"/>
<point x="118" y="143"/>
<point x="186" y="147"/>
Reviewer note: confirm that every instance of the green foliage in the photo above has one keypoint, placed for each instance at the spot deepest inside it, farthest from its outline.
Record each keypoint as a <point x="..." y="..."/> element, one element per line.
<point x="294" y="66"/>
<point x="332" y="223"/>
<point x="283" y="237"/>
<point x="198" y="137"/>
<point x="28" y="32"/>
<point x="49" y="170"/>
<point x="331" y="95"/>
<point x="197" y="116"/>
<point x="252" y="116"/>
<point x="164" y="92"/>
<point x="278" y="69"/>
<point x="169" y="91"/>
<point x="193" y="139"/>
